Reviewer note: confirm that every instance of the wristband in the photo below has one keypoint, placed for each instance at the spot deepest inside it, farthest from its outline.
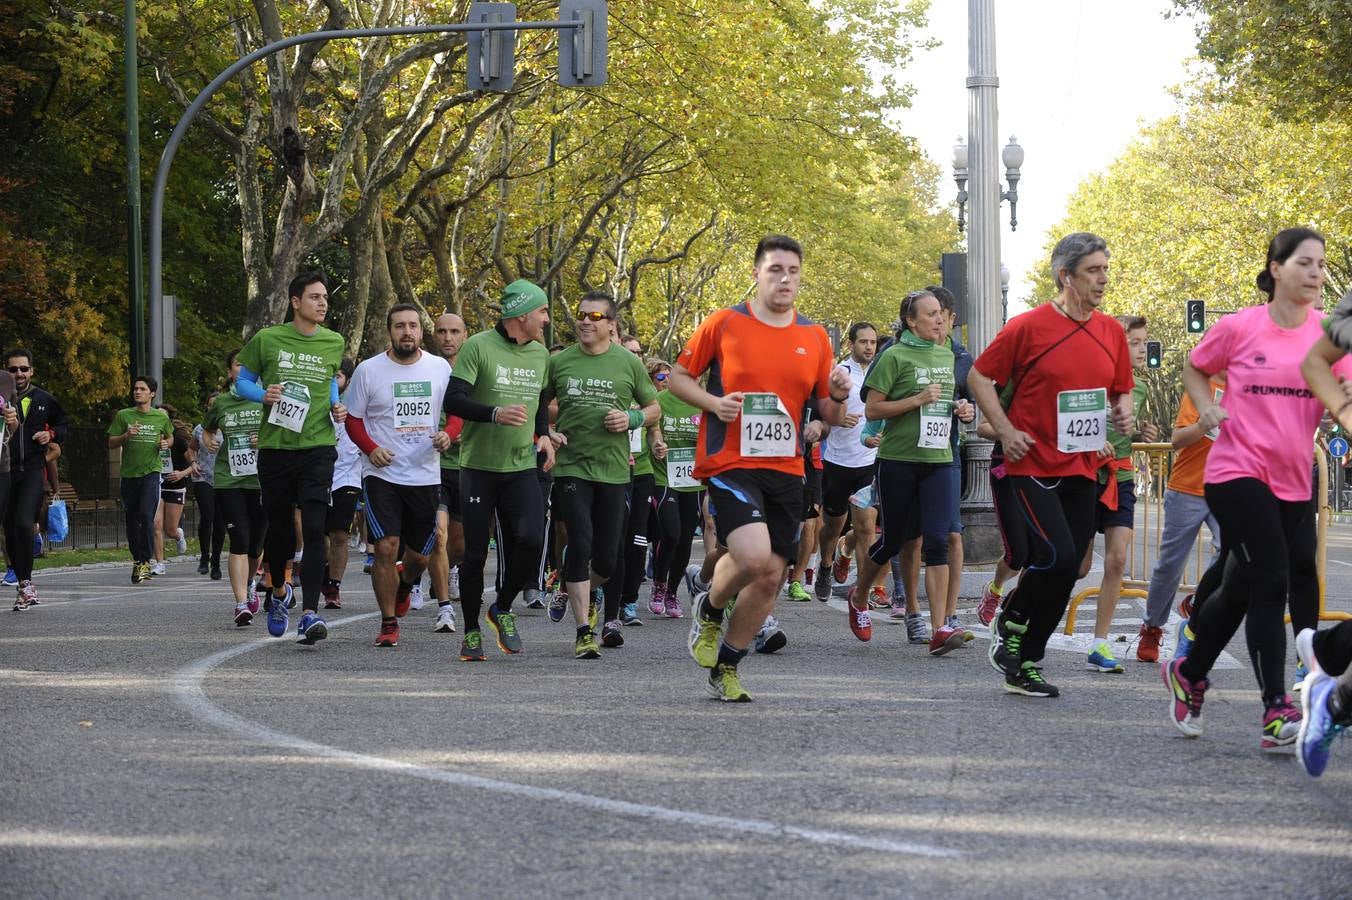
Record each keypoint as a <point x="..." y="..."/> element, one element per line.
<point x="635" y="422"/>
<point x="493" y="417"/>
<point x="838" y="399"/>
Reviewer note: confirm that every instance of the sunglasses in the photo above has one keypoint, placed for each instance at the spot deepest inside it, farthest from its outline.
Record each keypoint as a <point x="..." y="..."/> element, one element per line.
<point x="592" y="316"/>
<point x="661" y="376"/>
<point x="20" y="368"/>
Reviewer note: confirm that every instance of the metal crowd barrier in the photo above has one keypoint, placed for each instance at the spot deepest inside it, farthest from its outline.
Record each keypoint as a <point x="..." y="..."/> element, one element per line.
<point x="1156" y="460"/>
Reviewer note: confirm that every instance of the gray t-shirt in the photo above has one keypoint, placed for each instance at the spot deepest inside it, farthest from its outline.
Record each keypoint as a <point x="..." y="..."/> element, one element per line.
<point x="206" y="460"/>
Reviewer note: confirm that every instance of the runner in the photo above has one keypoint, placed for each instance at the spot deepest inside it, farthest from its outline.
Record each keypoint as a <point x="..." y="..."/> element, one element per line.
<point x="764" y="362"/>
<point x="1185" y="509"/>
<point x="847" y="462"/>
<point x="496" y="389"/>
<point x="11" y="416"/>
<point x="42" y="421"/>
<point x="344" y="498"/>
<point x="1069" y="371"/>
<point x="678" y="492"/>
<point x="176" y="465"/>
<point x="596" y="382"/>
<point x="633" y="562"/>
<point x="142" y="432"/>
<point x="913" y="388"/>
<point x="442" y="567"/>
<point x="1258" y="483"/>
<point x="230" y="433"/>
<point x="1115" y="511"/>
<point x="298" y="361"/>
<point x="210" y="531"/>
<point x="392" y="406"/>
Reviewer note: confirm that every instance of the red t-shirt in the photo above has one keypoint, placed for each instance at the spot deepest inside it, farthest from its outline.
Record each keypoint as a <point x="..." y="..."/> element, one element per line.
<point x="744" y="354"/>
<point x="1043" y="353"/>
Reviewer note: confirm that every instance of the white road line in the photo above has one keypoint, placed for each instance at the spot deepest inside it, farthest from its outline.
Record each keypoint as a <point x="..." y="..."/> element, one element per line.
<point x="1341" y="563"/>
<point x="191" y="694"/>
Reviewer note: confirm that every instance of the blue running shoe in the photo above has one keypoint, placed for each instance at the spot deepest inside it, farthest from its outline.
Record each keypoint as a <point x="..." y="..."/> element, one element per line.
<point x="558" y="604"/>
<point x="1183" y="646"/>
<point x="278" y="618"/>
<point x="10" y="578"/>
<point x="1101" y="659"/>
<point x="310" y="629"/>
<point x="1317" y="727"/>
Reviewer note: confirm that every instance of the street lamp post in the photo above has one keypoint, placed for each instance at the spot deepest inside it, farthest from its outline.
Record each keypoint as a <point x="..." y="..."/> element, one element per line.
<point x="1004" y="293"/>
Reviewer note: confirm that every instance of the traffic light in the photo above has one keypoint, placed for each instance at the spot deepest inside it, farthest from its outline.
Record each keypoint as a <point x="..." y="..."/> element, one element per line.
<point x="1196" y="316"/>
<point x="1154" y="353"/>
<point x="170" y="309"/>
<point x="582" y="51"/>
<point x="490" y="56"/>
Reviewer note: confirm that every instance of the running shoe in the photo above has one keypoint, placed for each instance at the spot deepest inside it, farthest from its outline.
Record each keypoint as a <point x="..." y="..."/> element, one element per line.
<point x="1185" y="607"/>
<point x="504" y="629"/>
<point x="770" y="638"/>
<point x="558" y="605"/>
<point x="181" y="542"/>
<point x="215" y="571"/>
<point x="612" y="634"/>
<point x="1148" y="645"/>
<point x="332" y="597"/>
<point x="389" y="634"/>
<point x="1281" y="725"/>
<point x="861" y="624"/>
<point x="1305" y="649"/>
<point x="917" y="627"/>
<point x="20" y="601"/>
<point x="1301" y="671"/>
<point x="472" y="647"/>
<point x="277" y="615"/>
<point x="585" y="647"/>
<point x="657" y="601"/>
<point x="956" y="624"/>
<point x="724" y="685"/>
<point x="203" y="567"/>
<point x="1101" y="659"/>
<point x="877" y="598"/>
<point x="1029" y="682"/>
<point x="693" y="585"/>
<point x="532" y="599"/>
<point x="945" y="639"/>
<point x="798" y="593"/>
<point x="369" y="564"/>
<point x="311" y="629"/>
<point x="255" y="597"/>
<point x="704" y="635"/>
<point x="243" y="616"/>
<point x="453" y="584"/>
<point x="840" y="569"/>
<point x="291" y="600"/>
<point x="1006" y="650"/>
<point x="897" y="608"/>
<point x="10" y="578"/>
<point x="1318" y="729"/>
<point x="445" y="623"/>
<point x="822" y="585"/>
<point x="403" y="597"/>
<point x="1185" y="698"/>
<point x="1184" y="639"/>
<point x="673" y="605"/>
<point x="629" y="614"/>
<point x="990" y="603"/>
<point x="157" y="567"/>
<point x="415" y="597"/>
<point x="138" y="574"/>
<point x="594" y="603"/>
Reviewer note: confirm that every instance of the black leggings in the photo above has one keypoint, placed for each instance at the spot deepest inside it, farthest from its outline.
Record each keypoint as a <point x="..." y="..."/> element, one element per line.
<point x="25" y="498"/>
<point x="514" y="497"/>
<point x="594" y="516"/>
<point x="1058" y="515"/>
<point x="504" y="540"/>
<point x="1270" y="546"/>
<point x="914" y="498"/>
<point x="140" y="497"/>
<point x="210" y="530"/>
<point x="242" y="512"/>
<point x="677" y="519"/>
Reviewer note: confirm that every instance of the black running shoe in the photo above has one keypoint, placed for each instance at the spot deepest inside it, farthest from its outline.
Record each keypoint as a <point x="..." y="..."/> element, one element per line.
<point x="1029" y="682"/>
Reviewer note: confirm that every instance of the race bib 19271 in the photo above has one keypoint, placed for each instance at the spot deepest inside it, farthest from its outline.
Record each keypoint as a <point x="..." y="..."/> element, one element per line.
<point x="290" y="411"/>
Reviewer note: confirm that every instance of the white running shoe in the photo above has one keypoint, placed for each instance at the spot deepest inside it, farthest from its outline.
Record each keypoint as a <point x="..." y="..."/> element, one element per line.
<point x="445" y="620"/>
<point x="415" y="597"/>
<point x="181" y="541"/>
<point x="157" y="568"/>
<point x="454" y="588"/>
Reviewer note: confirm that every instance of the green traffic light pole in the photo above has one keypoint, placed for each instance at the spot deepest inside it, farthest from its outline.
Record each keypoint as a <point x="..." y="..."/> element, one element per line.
<point x="156" y="355"/>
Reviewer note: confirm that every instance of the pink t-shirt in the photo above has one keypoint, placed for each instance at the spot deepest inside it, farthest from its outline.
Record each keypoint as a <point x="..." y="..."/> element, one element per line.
<point x="1273" y="412"/>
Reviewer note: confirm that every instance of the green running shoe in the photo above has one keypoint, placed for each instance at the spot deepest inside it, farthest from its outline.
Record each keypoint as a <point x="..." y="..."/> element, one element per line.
<point x="586" y="648"/>
<point x="724" y="685"/>
<point x="798" y="593"/>
<point x="472" y="647"/>
<point x="504" y="629"/>
<point x="704" y="636"/>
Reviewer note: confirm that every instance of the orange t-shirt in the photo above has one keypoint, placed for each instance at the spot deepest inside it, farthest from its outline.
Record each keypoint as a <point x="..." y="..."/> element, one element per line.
<point x="1190" y="462"/>
<point x="744" y="354"/>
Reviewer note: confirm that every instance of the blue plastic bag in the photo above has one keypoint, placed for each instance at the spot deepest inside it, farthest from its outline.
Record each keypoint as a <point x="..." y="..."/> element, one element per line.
<point x="58" y="523"/>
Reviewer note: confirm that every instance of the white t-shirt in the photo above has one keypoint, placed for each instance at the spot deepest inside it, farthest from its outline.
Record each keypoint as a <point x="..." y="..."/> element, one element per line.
<point x="347" y="468"/>
<point x="843" y="446"/>
<point x="401" y="406"/>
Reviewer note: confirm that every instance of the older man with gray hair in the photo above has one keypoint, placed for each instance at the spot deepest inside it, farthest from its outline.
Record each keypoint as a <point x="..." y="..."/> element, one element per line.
<point x="1064" y="370"/>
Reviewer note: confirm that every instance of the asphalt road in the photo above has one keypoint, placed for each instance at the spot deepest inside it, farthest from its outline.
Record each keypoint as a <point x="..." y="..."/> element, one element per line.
<point x="154" y="750"/>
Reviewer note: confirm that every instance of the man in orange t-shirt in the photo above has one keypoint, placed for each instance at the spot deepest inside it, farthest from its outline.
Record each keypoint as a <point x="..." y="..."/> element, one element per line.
<point x="1185" y="509"/>
<point x="764" y="362"/>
